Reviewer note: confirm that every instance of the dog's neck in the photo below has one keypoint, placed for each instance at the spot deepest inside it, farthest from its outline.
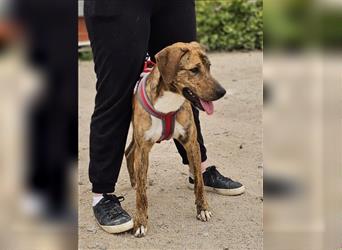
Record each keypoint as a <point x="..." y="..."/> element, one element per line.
<point x="162" y="97"/>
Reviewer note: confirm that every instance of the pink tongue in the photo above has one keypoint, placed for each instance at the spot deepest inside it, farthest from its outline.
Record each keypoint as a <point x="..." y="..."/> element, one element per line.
<point x="208" y="107"/>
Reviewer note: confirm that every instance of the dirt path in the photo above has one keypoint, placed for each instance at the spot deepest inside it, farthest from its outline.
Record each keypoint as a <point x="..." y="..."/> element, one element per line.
<point x="233" y="136"/>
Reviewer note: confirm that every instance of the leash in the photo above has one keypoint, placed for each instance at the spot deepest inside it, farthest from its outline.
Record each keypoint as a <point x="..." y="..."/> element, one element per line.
<point x="167" y="119"/>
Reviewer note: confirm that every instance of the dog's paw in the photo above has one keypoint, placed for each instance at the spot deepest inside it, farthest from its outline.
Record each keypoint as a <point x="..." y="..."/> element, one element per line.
<point x="140" y="231"/>
<point x="204" y="215"/>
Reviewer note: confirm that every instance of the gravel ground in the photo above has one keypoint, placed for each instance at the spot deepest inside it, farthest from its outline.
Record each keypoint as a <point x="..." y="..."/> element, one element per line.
<point x="233" y="137"/>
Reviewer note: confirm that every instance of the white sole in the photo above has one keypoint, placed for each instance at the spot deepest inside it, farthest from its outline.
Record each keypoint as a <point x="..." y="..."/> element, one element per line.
<point x="118" y="228"/>
<point x="229" y="192"/>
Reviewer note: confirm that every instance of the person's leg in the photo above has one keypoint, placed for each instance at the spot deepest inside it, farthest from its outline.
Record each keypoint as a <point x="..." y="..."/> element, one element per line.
<point x="119" y="32"/>
<point x="175" y="21"/>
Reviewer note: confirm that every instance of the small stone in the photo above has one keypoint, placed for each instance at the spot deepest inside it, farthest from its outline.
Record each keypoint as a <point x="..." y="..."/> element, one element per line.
<point x="150" y="182"/>
<point x="241" y="146"/>
<point x="226" y="133"/>
<point x="205" y="234"/>
<point x="92" y="230"/>
<point x="80" y="183"/>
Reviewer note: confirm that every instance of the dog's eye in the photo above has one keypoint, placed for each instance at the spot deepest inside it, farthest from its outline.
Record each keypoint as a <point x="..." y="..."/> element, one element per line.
<point x="195" y="70"/>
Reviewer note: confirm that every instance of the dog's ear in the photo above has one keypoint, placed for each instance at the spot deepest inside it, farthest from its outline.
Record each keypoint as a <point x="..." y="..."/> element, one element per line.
<point x="168" y="61"/>
<point x="200" y="46"/>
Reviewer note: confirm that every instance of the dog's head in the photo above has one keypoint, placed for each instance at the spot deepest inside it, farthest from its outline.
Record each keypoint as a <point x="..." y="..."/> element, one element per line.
<point x="185" y="69"/>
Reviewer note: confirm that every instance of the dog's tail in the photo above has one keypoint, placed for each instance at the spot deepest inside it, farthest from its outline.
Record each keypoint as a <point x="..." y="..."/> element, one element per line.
<point x="129" y="153"/>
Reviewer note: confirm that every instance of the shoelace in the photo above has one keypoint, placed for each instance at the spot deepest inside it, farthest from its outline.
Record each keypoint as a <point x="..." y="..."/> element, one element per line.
<point x="109" y="207"/>
<point x="113" y="197"/>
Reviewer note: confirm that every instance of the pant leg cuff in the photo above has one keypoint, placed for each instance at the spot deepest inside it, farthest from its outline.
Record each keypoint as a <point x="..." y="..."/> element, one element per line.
<point x="103" y="188"/>
<point x="203" y="159"/>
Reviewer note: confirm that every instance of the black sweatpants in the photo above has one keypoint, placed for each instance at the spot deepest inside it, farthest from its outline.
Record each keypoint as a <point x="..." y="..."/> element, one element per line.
<point x="121" y="32"/>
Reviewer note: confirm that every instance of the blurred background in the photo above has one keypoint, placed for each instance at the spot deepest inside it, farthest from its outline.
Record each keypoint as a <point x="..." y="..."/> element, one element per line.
<point x="40" y="43"/>
<point x="38" y="124"/>
<point x="302" y="124"/>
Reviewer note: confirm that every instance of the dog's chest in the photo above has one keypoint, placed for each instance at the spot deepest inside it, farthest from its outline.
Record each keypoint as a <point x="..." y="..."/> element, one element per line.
<point x="156" y="129"/>
<point x="167" y="103"/>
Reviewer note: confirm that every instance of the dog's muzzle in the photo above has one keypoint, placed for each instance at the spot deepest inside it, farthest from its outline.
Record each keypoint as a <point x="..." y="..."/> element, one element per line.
<point x="197" y="102"/>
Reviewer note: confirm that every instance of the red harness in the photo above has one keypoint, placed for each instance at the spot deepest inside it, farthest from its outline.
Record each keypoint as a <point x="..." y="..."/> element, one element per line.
<point x="168" y="119"/>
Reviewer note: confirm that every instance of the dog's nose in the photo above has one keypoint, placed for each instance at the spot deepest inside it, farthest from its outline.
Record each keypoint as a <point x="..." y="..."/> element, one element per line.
<point x="220" y="92"/>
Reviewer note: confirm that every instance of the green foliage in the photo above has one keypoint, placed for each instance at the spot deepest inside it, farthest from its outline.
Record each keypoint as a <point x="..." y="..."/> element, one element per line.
<point x="85" y="55"/>
<point x="230" y="24"/>
<point x="299" y="25"/>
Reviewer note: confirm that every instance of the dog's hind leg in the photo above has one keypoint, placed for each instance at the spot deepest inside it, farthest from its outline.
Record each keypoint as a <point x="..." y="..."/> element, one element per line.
<point x="141" y="166"/>
<point x="129" y="153"/>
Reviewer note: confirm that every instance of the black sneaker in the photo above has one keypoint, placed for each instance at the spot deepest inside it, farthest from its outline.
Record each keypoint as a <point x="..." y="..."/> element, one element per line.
<point x="111" y="216"/>
<point x="217" y="183"/>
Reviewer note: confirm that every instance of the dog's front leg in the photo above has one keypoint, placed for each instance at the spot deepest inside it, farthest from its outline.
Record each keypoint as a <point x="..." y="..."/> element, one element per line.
<point x="194" y="157"/>
<point x="141" y="166"/>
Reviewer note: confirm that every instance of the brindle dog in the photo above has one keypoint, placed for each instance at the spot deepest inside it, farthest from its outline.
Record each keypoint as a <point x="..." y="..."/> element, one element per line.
<point x="180" y="79"/>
